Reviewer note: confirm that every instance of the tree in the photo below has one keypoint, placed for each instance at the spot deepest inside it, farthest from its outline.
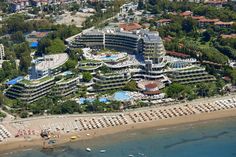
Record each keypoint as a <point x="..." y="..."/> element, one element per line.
<point x="25" y="62"/>
<point x="206" y="36"/>
<point x="18" y="37"/>
<point x="176" y="91"/>
<point x="140" y="5"/>
<point x="188" y="25"/>
<point x="87" y="76"/>
<point x="131" y="86"/>
<point x="43" y="44"/>
<point x="24" y="114"/>
<point x="1" y="98"/>
<point x="56" y="46"/>
<point x="21" y="49"/>
<point x="70" y="64"/>
<point x="8" y="70"/>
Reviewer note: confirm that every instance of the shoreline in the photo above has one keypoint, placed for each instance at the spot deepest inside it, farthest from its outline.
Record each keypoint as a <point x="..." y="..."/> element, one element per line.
<point x="19" y="144"/>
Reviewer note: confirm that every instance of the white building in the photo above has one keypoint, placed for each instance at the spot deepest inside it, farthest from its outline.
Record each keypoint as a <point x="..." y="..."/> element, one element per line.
<point x="2" y="52"/>
<point x="47" y="65"/>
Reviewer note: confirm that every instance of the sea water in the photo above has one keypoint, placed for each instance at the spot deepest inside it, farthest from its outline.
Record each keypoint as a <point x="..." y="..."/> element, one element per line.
<point x="205" y="139"/>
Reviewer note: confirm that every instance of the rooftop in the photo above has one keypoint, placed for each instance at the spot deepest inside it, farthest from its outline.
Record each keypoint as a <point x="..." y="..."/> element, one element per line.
<point x="164" y="20"/>
<point x="130" y="26"/>
<point x="186" y="13"/>
<point x="50" y="61"/>
<point x="177" y="54"/>
<point x="224" y="36"/>
<point x="151" y="85"/>
<point x="35" y="82"/>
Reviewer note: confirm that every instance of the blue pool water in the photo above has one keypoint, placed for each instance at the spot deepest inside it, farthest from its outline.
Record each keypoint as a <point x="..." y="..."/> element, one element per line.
<point x="82" y="100"/>
<point x="112" y="57"/>
<point x="34" y="44"/>
<point x="207" y="139"/>
<point x="122" y="96"/>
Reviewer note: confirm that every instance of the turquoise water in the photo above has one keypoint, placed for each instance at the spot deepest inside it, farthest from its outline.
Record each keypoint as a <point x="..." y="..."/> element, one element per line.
<point x="122" y="96"/>
<point x="208" y="139"/>
<point x="112" y="57"/>
<point x="82" y="100"/>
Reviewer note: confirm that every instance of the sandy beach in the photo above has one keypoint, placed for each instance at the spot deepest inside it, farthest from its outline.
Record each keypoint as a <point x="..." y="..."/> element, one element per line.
<point x="27" y="142"/>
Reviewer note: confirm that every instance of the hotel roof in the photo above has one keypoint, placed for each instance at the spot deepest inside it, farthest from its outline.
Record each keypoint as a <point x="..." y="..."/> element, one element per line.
<point x="51" y="61"/>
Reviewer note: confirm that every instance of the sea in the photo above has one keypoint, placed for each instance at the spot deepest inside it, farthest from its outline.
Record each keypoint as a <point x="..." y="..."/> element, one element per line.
<point x="215" y="138"/>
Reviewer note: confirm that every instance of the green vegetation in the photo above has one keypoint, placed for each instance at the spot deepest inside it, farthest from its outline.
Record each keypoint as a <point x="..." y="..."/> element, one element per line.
<point x="8" y="70"/>
<point x="13" y="30"/>
<point x="55" y="46"/>
<point x="131" y="86"/>
<point x="50" y="105"/>
<point x="28" y="82"/>
<point x="2" y="115"/>
<point x="98" y="18"/>
<point x="190" y="92"/>
<point x="87" y="76"/>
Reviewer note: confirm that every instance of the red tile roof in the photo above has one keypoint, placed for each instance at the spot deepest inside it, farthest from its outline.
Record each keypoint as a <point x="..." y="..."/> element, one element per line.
<point x="227" y="78"/>
<point x="151" y="85"/>
<point x="177" y="54"/>
<point x="130" y="27"/>
<point x="151" y="92"/>
<point x="164" y="20"/>
<point x="198" y="17"/>
<point x="186" y="13"/>
<point x="205" y="20"/>
<point x="216" y="2"/>
<point x="228" y="36"/>
<point x="168" y="38"/>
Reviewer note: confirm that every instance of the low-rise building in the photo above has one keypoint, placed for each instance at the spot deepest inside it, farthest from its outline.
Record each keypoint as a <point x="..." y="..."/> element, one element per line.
<point x="205" y="22"/>
<point x="186" y="14"/>
<point x="163" y="22"/>
<point x="130" y="27"/>
<point x="224" y="24"/>
<point x="230" y="36"/>
<point x="216" y="3"/>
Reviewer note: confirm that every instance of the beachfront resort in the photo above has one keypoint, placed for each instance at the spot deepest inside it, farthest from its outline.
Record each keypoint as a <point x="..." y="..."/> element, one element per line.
<point x="113" y="57"/>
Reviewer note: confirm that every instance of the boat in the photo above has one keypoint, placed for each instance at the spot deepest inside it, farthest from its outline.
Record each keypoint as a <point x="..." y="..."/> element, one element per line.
<point x="102" y="151"/>
<point x="73" y="137"/>
<point x="88" y="149"/>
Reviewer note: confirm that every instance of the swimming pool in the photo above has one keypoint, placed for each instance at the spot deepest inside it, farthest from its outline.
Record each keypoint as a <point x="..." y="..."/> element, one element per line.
<point x="83" y="100"/>
<point x="122" y="96"/>
<point x="112" y="57"/>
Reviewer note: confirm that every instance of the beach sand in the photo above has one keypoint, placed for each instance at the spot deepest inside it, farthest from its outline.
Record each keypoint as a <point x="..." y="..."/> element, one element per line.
<point x="15" y="144"/>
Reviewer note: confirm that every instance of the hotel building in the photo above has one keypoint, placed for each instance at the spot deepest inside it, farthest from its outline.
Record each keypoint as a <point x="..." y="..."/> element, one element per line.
<point x="146" y="59"/>
<point x="31" y="90"/>
<point x="47" y="65"/>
